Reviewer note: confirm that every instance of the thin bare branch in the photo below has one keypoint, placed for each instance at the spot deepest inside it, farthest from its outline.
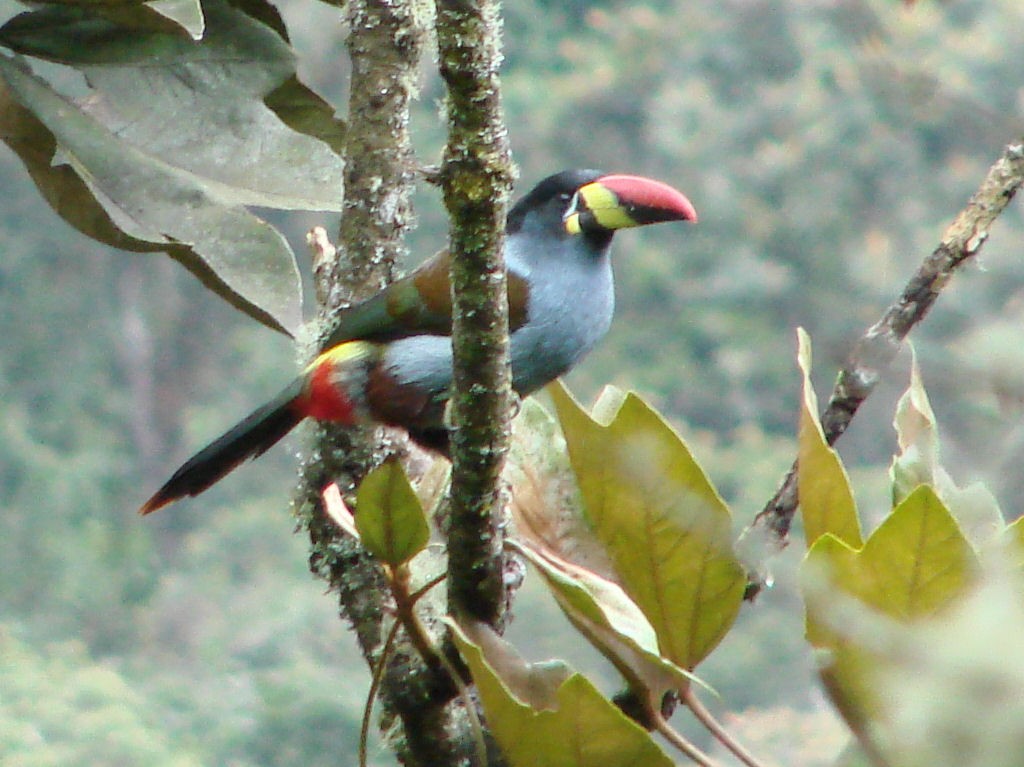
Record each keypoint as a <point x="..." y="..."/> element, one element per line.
<point x="880" y="344"/>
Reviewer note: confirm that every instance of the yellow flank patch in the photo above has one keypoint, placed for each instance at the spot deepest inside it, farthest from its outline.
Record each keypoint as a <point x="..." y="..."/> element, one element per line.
<point x="340" y="354"/>
<point x="605" y="207"/>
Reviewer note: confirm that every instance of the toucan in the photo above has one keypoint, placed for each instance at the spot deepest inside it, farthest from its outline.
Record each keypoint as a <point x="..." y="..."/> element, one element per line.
<point x="388" y="360"/>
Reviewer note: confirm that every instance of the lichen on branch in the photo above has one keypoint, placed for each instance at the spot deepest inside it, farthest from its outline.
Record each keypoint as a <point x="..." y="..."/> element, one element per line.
<point x="476" y="177"/>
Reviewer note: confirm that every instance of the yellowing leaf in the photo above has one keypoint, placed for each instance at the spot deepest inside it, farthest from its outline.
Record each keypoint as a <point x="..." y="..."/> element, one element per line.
<point x="830" y="561"/>
<point x="912" y="565"/>
<point x="546" y="504"/>
<point x="389" y="517"/>
<point x="545" y="715"/>
<point x="915" y="420"/>
<point x="665" y="528"/>
<point x="826" y="501"/>
<point x="612" y="622"/>
<point x="952" y="690"/>
<point x="975" y="508"/>
<point x="595" y="598"/>
<point x="917" y="436"/>
<point x="850" y="683"/>
<point x="918" y="559"/>
<point x="916" y="563"/>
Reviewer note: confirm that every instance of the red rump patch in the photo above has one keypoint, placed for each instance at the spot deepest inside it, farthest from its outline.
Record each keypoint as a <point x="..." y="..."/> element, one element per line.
<point x="637" y="190"/>
<point x="324" y="400"/>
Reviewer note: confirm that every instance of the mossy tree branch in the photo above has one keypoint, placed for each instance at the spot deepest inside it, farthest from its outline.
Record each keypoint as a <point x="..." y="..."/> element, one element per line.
<point x="880" y="344"/>
<point x="476" y="177"/>
<point x="385" y="46"/>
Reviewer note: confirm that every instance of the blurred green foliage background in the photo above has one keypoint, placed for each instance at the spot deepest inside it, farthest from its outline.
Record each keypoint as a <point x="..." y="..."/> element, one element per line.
<point x="825" y="145"/>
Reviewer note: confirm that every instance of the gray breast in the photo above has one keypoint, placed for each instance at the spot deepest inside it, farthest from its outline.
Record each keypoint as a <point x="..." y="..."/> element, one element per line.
<point x="570" y="309"/>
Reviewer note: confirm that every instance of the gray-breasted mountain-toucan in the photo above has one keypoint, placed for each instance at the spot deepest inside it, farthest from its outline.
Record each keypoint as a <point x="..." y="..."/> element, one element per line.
<point x="389" y="359"/>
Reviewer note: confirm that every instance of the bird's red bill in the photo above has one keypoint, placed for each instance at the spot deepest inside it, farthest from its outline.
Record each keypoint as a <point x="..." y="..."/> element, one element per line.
<point x="650" y="195"/>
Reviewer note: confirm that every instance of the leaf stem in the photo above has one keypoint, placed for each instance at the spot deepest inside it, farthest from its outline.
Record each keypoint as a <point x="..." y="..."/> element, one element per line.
<point x="712" y="725"/>
<point x="405" y="613"/>
<point x="663" y="728"/>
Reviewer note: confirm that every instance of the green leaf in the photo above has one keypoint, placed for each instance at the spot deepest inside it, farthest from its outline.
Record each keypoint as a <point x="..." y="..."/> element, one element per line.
<point x="199" y="106"/>
<point x="186" y="13"/>
<point x="167" y="16"/>
<point x="137" y="201"/>
<point x="176" y="135"/>
<point x="389" y="517"/>
<point x="63" y="189"/>
<point x="665" y="529"/>
<point x="826" y="500"/>
<point x="304" y="111"/>
<point x="545" y="715"/>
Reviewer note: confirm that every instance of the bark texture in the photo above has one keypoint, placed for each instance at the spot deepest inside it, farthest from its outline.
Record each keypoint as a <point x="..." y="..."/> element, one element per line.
<point x="476" y="177"/>
<point x="385" y="46"/>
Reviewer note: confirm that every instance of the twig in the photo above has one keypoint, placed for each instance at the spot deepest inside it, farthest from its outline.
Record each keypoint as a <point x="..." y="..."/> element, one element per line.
<point x="407" y="605"/>
<point x="880" y="344"/>
<point x="371" y="695"/>
<point x="663" y="728"/>
<point x="476" y="726"/>
<point x="713" y="726"/>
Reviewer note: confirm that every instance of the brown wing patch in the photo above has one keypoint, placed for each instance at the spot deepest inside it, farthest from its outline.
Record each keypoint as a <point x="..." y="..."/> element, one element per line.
<point x="433" y="284"/>
<point x="401" y="405"/>
<point x="518" y="301"/>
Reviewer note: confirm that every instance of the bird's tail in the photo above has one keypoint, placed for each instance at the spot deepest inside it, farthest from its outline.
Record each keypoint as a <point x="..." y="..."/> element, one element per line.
<point x="252" y="437"/>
